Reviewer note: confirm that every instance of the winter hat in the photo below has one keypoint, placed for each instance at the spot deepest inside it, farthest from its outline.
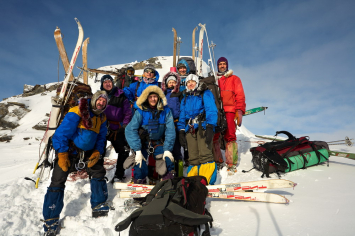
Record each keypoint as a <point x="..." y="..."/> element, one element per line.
<point x="171" y="77"/>
<point x="192" y="77"/>
<point x="180" y="64"/>
<point x="103" y="79"/>
<point x="149" y="66"/>
<point x="222" y="59"/>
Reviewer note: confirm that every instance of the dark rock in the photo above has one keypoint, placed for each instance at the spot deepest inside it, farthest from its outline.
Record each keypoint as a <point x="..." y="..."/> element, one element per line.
<point x="5" y="138"/>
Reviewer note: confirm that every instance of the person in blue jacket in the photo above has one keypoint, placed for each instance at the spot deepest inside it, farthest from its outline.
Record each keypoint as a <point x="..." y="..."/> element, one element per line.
<point x="150" y="77"/>
<point x="171" y="86"/>
<point x="152" y="132"/>
<point x="79" y="142"/>
<point x="183" y="69"/>
<point x="198" y="117"/>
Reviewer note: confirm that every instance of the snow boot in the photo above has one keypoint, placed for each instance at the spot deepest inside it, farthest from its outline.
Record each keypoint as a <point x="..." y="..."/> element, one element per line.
<point x="50" y="233"/>
<point x="170" y="175"/>
<point x="97" y="214"/>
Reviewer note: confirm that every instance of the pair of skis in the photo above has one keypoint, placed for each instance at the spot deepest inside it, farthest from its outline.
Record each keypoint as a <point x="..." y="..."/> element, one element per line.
<point x="58" y="101"/>
<point x="243" y="191"/>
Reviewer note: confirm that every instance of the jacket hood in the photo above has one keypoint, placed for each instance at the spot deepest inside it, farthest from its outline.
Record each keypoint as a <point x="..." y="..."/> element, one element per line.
<point x="186" y="65"/>
<point x="94" y="99"/>
<point x="144" y="97"/>
<point x="177" y="86"/>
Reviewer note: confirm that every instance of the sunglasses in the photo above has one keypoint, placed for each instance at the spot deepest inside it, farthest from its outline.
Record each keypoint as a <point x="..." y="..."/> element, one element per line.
<point x="149" y="70"/>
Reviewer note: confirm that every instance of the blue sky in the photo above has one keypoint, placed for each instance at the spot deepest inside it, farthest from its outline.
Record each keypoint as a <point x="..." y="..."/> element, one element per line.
<point x="296" y="57"/>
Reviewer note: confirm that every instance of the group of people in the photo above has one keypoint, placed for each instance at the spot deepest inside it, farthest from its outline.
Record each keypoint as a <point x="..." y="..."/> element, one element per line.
<point x="154" y="120"/>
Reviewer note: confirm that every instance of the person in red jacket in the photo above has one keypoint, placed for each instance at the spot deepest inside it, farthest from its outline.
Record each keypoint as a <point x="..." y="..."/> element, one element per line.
<point x="233" y="99"/>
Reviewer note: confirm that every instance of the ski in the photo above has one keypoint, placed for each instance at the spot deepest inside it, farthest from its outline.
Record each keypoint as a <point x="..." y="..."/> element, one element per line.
<point x="342" y="154"/>
<point x="231" y="187"/>
<point x="252" y="185"/>
<point x="241" y="196"/>
<point x="211" y="60"/>
<point x="57" y="103"/>
<point x="62" y="52"/>
<point x="251" y="196"/>
<point x="174" y="52"/>
<point x="200" y="55"/>
<point x="85" y="60"/>
<point x="255" y="110"/>
<point x="193" y="43"/>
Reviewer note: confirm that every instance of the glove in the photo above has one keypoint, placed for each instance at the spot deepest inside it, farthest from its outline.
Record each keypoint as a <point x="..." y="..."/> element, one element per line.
<point x="139" y="158"/>
<point x="238" y="117"/>
<point x="182" y="139"/>
<point x="94" y="158"/>
<point x="63" y="161"/>
<point x="122" y="129"/>
<point x="209" y="134"/>
<point x="169" y="155"/>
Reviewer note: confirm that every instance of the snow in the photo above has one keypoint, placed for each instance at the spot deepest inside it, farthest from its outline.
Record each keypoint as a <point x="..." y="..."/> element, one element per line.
<point x="321" y="203"/>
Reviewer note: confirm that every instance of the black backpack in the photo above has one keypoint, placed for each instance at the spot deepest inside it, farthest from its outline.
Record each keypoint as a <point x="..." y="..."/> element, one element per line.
<point x="210" y="83"/>
<point x="173" y="207"/>
<point x="289" y="155"/>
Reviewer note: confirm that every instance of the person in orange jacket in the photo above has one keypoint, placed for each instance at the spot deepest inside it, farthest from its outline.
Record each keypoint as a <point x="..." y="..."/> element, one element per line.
<point x="233" y="99"/>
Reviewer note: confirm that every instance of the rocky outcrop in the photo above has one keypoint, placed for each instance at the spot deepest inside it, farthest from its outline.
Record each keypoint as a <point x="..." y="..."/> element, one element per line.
<point x="142" y="64"/>
<point x="29" y="90"/>
<point x="11" y="113"/>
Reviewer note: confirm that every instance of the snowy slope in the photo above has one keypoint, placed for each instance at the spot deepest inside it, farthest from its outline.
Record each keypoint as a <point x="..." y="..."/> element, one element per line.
<point x="321" y="204"/>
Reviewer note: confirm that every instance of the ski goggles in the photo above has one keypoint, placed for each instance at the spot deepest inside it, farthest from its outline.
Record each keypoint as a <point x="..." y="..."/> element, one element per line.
<point x="130" y="72"/>
<point x="148" y="70"/>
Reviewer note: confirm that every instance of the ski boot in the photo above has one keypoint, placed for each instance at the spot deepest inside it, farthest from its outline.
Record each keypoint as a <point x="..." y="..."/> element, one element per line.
<point x="220" y="166"/>
<point x="101" y="210"/>
<point x="50" y="233"/>
<point x="232" y="169"/>
<point x="52" y="229"/>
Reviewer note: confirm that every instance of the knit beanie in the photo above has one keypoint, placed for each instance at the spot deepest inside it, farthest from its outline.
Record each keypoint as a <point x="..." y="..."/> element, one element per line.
<point x="222" y="59"/>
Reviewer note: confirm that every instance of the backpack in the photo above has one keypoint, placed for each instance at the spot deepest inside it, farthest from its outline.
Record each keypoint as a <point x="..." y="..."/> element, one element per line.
<point x="80" y="90"/>
<point x="191" y="64"/>
<point x="120" y="78"/>
<point x="289" y="155"/>
<point x="173" y="207"/>
<point x="210" y="83"/>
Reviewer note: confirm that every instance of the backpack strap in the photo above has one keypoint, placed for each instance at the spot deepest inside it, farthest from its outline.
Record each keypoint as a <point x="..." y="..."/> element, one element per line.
<point x="304" y="160"/>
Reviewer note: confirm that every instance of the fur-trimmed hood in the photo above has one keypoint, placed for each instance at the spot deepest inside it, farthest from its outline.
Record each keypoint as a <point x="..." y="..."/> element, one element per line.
<point x="94" y="98"/>
<point x="144" y="97"/>
<point x="178" y="79"/>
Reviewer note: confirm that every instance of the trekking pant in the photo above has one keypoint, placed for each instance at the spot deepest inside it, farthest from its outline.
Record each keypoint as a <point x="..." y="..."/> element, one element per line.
<point x="230" y="135"/>
<point x="200" y="157"/>
<point x="119" y="142"/>
<point x="199" y="151"/>
<point x="53" y="200"/>
<point x="142" y="172"/>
